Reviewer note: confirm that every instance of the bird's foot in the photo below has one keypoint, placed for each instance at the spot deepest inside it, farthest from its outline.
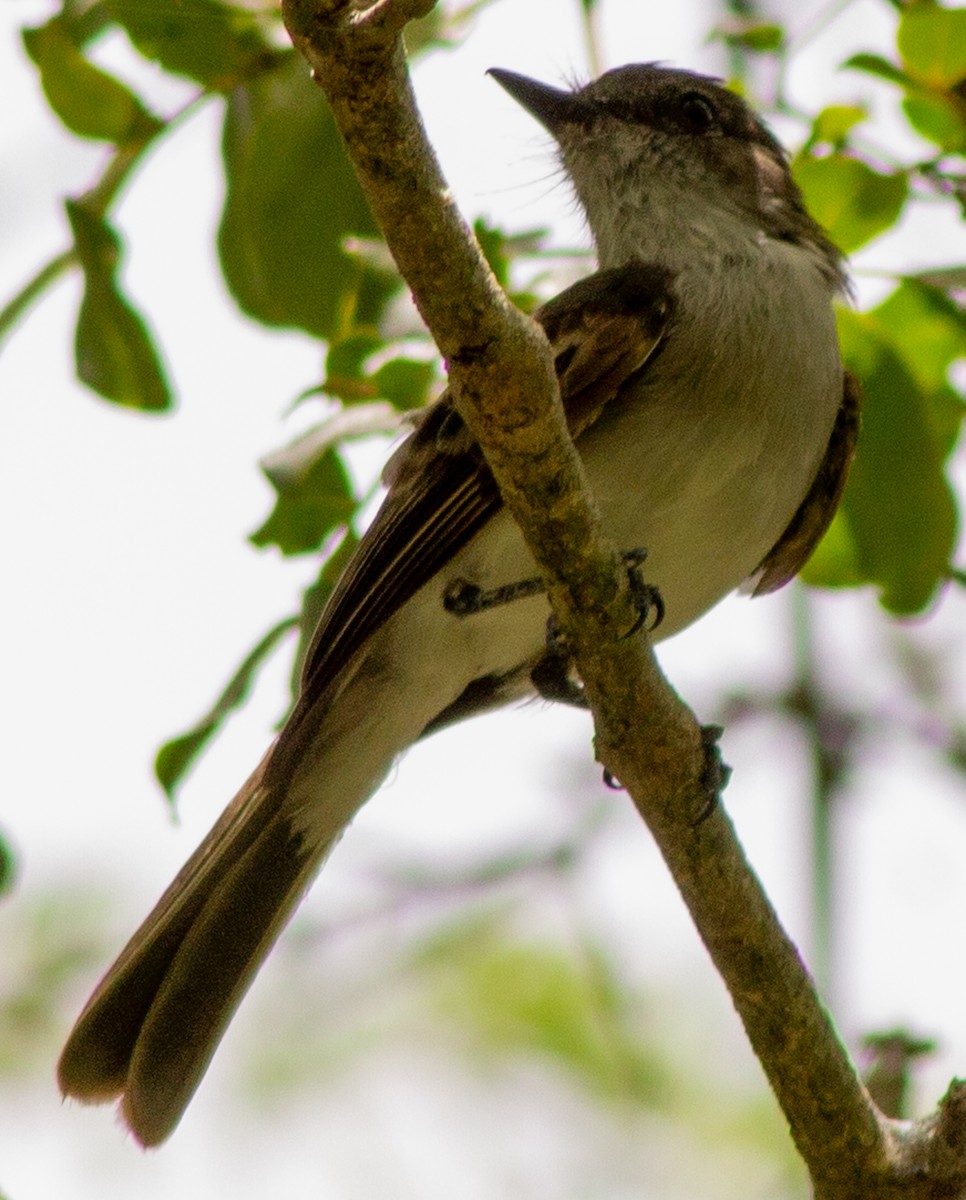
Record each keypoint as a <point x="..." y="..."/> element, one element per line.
<point x="715" y="773"/>
<point x="647" y="596"/>
<point x="465" y="599"/>
<point x="553" y="675"/>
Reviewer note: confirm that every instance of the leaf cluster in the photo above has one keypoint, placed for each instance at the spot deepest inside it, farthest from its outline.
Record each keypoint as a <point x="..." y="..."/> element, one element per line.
<point x="898" y="522"/>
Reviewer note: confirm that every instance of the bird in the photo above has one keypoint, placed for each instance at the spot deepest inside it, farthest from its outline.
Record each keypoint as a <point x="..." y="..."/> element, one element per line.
<point x="702" y="382"/>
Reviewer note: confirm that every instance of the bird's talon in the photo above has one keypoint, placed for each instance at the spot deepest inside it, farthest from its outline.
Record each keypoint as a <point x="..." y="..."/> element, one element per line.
<point x="647" y="596"/>
<point x="465" y="599"/>
<point x="462" y="598"/>
<point x="715" y="773"/>
<point x="551" y="675"/>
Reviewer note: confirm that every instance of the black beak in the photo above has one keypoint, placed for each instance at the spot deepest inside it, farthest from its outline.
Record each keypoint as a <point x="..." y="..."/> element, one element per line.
<point x="551" y="106"/>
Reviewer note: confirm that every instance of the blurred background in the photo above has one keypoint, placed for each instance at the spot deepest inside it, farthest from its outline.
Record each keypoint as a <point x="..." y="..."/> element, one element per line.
<point x="493" y="989"/>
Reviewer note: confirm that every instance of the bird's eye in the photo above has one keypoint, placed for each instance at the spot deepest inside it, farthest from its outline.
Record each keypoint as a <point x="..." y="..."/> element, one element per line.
<point x="697" y="113"/>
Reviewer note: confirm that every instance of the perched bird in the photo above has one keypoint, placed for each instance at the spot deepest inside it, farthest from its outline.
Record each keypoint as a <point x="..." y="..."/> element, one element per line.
<point x="701" y="379"/>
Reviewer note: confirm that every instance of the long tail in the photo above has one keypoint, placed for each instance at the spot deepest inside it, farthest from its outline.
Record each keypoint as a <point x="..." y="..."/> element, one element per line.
<point x="149" y="1030"/>
<point x="154" y="1021"/>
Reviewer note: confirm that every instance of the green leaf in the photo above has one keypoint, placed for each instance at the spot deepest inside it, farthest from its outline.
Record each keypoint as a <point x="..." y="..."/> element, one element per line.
<point x="941" y="119"/>
<point x="292" y="200"/>
<point x="928" y="330"/>
<point x="309" y="507"/>
<point x="379" y="280"/>
<point x="898" y="506"/>
<point x="287" y="467"/>
<point x="932" y="42"/>
<point x="405" y="382"/>
<point x="763" y="37"/>
<point x="445" y="25"/>
<point x="217" y="44"/>
<point x="84" y="21"/>
<point x="851" y="201"/>
<point x="113" y="350"/>
<point x="502" y="249"/>
<point x="431" y="31"/>
<point x="933" y="45"/>
<point x="833" y="125"/>
<point x="495" y="246"/>
<point x="875" y="64"/>
<point x="757" y="36"/>
<point x="175" y="757"/>
<point x="571" y="1009"/>
<point x="345" y="373"/>
<point x="90" y="102"/>
<point x="8" y="867"/>
<point x="834" y="564"/>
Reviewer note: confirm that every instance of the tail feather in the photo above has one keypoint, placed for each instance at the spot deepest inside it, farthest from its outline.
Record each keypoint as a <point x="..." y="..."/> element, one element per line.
<point x="208" y="977"/>
<point x="149" y="1030"/>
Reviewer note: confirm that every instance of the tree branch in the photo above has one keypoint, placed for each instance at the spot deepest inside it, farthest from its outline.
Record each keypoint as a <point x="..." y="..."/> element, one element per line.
<point x="503" y="381"/>
<point x="499" y="362"/>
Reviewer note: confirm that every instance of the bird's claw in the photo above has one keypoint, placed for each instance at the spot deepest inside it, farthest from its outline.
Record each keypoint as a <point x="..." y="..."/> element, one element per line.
<point x="551" y="676"/>
<point x="647" y="596"/>
<point x="714" y="774"/>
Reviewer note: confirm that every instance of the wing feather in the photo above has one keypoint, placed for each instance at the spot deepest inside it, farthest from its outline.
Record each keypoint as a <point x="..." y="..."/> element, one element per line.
<point x="806" y="529"/>
<point x="602" y="330"/>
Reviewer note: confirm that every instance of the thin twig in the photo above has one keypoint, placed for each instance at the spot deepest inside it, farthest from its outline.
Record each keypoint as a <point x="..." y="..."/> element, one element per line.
<point x="34" y="288"/>
<point x="97" y="199"/>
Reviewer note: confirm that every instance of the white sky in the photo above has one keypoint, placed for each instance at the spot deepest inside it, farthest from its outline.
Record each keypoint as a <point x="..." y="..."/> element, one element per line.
<point x="130" y="595"/>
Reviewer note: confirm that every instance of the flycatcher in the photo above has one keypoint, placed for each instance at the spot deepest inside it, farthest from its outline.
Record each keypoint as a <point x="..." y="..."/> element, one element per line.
<point x="702" y="383"/>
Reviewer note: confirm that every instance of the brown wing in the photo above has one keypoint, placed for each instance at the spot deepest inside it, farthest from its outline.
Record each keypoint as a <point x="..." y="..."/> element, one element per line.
<point x="602" y="331"/>
<point x="805" y="530"/>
